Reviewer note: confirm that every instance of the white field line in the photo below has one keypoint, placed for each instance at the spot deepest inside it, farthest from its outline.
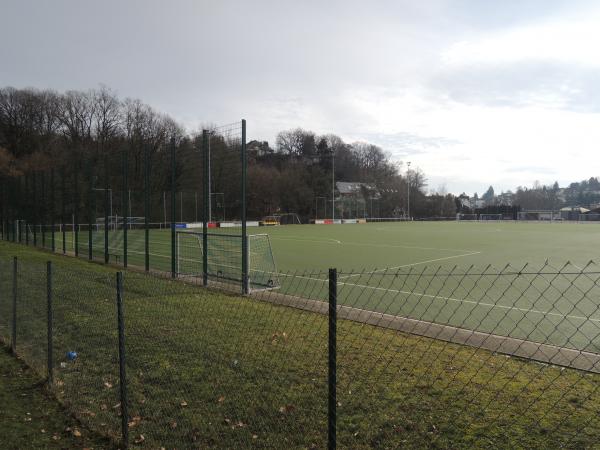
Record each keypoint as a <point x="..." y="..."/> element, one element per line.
<point x="318" y="241"/>
<point x="409" y="265"/>
<point x="367" y="244"/>
<point x="440" y="297"/>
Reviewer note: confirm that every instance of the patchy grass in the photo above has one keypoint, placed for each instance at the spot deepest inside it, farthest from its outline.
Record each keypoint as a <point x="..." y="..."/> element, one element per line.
<point x="30" y="418"/>
<point x="210" y="370"/>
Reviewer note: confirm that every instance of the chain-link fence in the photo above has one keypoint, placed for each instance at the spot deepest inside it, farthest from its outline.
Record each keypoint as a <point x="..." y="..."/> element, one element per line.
<point x="435" y="357"/>
<point x="124" y="205"/>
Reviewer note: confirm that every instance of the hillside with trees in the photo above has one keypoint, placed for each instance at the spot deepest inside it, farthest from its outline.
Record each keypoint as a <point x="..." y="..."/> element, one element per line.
<point x="40" y="129"/>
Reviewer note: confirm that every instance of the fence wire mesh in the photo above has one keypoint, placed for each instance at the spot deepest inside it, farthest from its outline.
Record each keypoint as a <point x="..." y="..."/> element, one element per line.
<point x="121" y="205"/>
<point x="436" y="357"/>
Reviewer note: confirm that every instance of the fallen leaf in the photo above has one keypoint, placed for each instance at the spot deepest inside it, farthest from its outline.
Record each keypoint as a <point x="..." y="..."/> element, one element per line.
<point x="108" y="385"/>
<point x="76" y="433"/>
<point x="135" y="421"/>
<point x="183" y="403"/>
<point x="287" y="409"/>
<point x="140" y="439"/>
<point x="173" y="424"/>
<point x="221" y="399"/>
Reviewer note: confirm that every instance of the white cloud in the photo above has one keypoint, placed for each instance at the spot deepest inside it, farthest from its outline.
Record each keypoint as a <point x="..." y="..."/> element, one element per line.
<point x="475" y="93"/>
<point x="571" y="41"/>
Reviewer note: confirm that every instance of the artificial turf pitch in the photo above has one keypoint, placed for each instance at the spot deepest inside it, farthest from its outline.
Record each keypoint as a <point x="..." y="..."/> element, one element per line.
<point x="515" y="279"/>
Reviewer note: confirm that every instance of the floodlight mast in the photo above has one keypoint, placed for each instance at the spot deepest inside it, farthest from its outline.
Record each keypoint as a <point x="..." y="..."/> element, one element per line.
<point x="209" y="186"/>
<point x="333" y="184"/>
<point x="408" y="184"/>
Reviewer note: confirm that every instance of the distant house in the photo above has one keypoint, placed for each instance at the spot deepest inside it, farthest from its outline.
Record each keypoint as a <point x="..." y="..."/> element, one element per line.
<point x="572" y="212"/>
<point x="470" y="203"/>
<point x="356" y="189"/>
<point x="258" y="148"/>
<point x="506" y="198"/>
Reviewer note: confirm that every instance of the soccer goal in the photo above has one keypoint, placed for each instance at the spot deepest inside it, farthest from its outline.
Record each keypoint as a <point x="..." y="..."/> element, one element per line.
<point x="589" y="218"/>
<point x="542" y="216"/>
<point x="489" y="217"/>
<point x="224" y="258"/>
<point x="466" y="217"/>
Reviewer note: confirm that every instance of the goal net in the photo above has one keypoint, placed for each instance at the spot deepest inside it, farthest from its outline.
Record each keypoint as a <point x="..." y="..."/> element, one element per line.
<point x="289" y="219"/>
<point x="589" y="218"/>
<point x="224" y="258"/>
<point x="486" y="217"/>
<point x="464" y="217"/>
<point x="544" y="216"/>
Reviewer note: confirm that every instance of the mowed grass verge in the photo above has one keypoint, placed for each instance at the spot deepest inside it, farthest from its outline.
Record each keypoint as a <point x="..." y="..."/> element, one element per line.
<point x="30" y="418"/>
<point x="211" y="370"/>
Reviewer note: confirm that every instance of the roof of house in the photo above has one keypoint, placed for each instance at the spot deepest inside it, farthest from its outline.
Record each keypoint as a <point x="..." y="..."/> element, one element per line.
<point x="346" y="187"/>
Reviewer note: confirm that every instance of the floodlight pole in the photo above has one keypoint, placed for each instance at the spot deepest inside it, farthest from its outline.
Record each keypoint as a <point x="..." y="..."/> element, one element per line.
<point x="208" y="184"/>
<point x="333" y="184"/>
<point x="408" y="184"/>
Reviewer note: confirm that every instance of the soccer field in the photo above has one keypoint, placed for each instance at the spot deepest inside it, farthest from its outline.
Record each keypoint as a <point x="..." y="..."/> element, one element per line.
<point x="386" y="245"/>
<point x="522" y="280"/>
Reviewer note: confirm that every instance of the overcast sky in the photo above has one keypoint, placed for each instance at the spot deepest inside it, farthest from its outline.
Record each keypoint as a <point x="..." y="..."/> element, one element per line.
<point x="473" y="92"/>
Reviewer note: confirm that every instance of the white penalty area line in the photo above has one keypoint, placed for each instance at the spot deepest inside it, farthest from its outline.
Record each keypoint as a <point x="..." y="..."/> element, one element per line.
<point x="452" y="299"/>
<point x="410" y="265"/>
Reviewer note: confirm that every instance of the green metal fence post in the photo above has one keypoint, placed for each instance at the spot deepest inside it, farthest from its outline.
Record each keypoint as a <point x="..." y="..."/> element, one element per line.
<point x="332" y="350"/>
<point x="28" y="213"/>
<point x="19" y="209"/>
<point x="76" y="210"/>
<point x="205" y="195"/>
<point x="43" y="208"/>
<point x="125" y="203"/>
<point x="173" y="179"/>
<point x="13" y="343"/>
<point x="245" y="279"/>
<point x="63" y="210"/>
<point x="146" y="209"/>
<point x="52" y="237"/>
<point x="35" y="209"/>
<point x="50" y="362"/>
<point x="122" y="362"/>
<point x="106" y="209"/>
<point x="90" y="213"/>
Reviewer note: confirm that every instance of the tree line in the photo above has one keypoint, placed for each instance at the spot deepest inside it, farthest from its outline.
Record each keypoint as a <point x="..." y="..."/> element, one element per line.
<point x="44" y="129"/>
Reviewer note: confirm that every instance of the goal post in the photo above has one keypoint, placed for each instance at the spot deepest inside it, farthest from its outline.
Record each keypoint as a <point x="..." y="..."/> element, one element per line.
<point x="224" y="258"/>
<point x="466" y="217"/>
<point x="490" y="217"/>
